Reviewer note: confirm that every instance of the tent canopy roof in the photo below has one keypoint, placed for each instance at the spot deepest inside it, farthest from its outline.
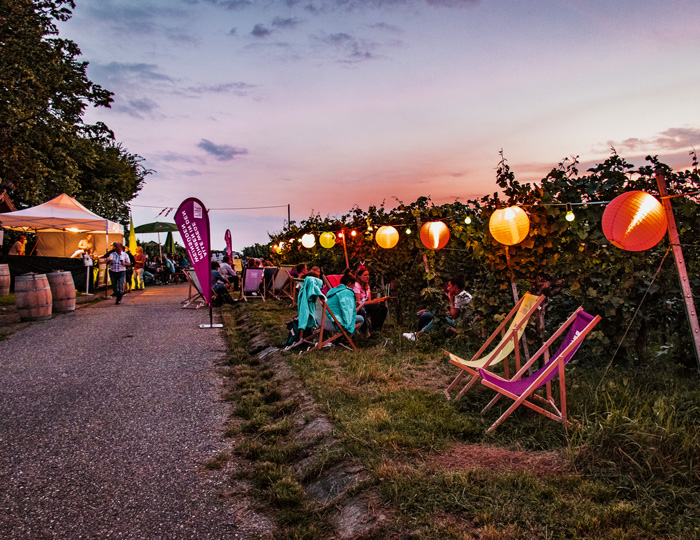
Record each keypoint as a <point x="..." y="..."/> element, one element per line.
<point x="62" y="213"/>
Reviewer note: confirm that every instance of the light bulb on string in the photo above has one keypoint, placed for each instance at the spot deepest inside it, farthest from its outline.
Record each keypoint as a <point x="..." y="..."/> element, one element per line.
<point x="408" y="231"/>
<point x="570" y="216"/>
<point x="353" y="233"/>
<point x="467" y="220"/>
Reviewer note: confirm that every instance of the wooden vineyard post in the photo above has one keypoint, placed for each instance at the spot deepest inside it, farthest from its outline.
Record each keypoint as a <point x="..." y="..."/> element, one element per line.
<point x="680" y="266"/>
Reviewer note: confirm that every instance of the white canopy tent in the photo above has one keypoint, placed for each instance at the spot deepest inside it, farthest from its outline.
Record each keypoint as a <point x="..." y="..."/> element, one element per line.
<point x="60" y="224"/>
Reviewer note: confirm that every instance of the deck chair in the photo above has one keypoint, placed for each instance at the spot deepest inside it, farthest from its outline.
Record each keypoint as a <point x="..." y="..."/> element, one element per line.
<point x="269" y="274"/>
<point x="329" y="329"/>
<point x="325" y="326"/>
<point x="518" y="318"/>
<point x="521" y="388"/>
<point x="330" y="281"/>
<point x="283" y="286"/>
<point x="193" y="301"/>
<point x="250" y="283"/>
<point x="237" y="265"/>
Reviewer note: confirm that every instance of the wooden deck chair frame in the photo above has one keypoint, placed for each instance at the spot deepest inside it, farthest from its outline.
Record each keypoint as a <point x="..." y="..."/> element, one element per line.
<point x="260" y="295"/>
<point x="283" y="286"/>
<point x="198" y="298"/>
<point x="269" y="292"/>
<point x="316" y="338"/>
<point x="513" y="335"/>
<point x="528" y="396"/>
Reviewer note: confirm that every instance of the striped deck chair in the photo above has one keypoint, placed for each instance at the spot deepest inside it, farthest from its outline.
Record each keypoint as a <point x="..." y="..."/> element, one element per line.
<point x="518" y="317"/>
<point x="250" y="283"/>
<point x="521" y="388"/>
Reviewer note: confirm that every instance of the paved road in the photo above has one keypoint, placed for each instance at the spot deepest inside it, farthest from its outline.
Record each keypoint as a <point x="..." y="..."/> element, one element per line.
<point x="107" y="416"/>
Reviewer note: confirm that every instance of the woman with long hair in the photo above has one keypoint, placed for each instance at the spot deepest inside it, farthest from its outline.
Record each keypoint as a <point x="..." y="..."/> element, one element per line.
<point x="370" y="309"/>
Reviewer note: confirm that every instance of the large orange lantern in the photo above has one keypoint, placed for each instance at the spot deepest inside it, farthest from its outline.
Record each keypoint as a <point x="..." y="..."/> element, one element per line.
<point x="509" y="226"/>
<point x="308" y="240"/>
<point x="435" y="235"/>
<point x="327" y="240"/>
<point x="387" y="237"/>
<point x="635" y="221"/>
<point x="279" y="247"/>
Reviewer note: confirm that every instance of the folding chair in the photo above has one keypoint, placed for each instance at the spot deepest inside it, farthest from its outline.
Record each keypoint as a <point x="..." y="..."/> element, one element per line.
<point x="325" y="325"/>
<point x="250" y="283"/>
<point x="330" y="281"/>
<point x="521" y="389"/>
<point x="283" y="285"/>
<point x="198" y="298"/>
<point x="518" y="317"/>
<point x="268" y="283"/>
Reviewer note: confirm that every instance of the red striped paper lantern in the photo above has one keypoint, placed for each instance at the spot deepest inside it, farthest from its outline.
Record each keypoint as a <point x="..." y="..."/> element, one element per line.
<point x="435" y="235"/>
<point x="635" y="221"/>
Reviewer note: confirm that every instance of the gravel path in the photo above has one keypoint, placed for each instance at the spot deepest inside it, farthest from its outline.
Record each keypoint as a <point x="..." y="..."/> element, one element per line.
<point x="107" y="417"/>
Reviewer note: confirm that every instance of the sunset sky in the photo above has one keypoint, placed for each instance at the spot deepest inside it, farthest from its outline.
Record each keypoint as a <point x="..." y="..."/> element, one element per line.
<point x="329" y="104"/>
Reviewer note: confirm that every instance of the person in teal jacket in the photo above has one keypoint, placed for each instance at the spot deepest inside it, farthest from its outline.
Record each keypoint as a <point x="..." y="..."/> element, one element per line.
<point x="308" y="293"/>
<point x="341" y="302"/>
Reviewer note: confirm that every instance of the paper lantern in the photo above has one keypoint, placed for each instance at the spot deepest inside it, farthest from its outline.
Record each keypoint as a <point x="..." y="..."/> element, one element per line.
<point x="435" y="235"/>
<point x="509" y="226"/>
<point x="635" y="221"/>
<point x="387" y="237"/>
<point x="327" y="240"/>
<point x="279" y="248"/>
<point x="308" y="240"/>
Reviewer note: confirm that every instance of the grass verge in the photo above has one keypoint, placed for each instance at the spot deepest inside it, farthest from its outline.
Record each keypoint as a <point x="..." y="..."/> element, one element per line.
<point x="627" y="469"/>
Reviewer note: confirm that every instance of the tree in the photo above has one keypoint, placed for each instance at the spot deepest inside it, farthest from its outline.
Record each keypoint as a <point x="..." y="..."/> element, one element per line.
<point x="45" y="147"/>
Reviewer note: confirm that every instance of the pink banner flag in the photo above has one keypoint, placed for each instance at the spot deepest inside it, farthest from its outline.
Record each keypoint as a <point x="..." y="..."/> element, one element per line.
<point x="229" y="249"/>
<point x="193" y="222"/>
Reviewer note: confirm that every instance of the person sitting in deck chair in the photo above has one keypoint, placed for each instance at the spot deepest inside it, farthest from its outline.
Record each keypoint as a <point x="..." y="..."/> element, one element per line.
<point x="459" y="300"/>
<point x="341" y="301"/>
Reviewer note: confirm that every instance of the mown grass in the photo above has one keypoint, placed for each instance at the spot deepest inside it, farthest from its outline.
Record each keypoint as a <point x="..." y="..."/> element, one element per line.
<point x="631" y="459"/>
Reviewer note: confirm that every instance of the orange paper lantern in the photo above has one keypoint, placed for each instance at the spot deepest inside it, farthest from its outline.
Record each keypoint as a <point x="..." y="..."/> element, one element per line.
<point x="387" y="237"/>
<point x="435" y="235"/>
<point x="635" y="221"/>
<point x="509" y="226"/>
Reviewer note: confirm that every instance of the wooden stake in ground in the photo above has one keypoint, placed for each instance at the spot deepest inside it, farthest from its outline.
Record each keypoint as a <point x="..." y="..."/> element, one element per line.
<point x="680" y="265"/>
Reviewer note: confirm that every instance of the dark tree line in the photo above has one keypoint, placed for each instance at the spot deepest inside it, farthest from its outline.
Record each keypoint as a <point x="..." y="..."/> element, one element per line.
<point x="45" y="147"/>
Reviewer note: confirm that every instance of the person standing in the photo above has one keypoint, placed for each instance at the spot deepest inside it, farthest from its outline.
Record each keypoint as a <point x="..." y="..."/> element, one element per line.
<point x="118" y="261"/>
<point x="139" y="263"/>
<point x="129" y="270"/>
<point x="18" y="247"/>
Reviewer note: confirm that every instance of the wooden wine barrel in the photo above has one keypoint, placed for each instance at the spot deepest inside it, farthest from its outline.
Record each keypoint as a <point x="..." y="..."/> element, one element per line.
<point x="33" y="297"/>
<point x="62" y="291"/>
<point x="4" y="279"/>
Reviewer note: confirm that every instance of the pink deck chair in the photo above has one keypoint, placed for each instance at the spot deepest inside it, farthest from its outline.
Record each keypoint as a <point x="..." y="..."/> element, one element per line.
<point x="250" y="283"/>
<point x="522" y="389"/>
